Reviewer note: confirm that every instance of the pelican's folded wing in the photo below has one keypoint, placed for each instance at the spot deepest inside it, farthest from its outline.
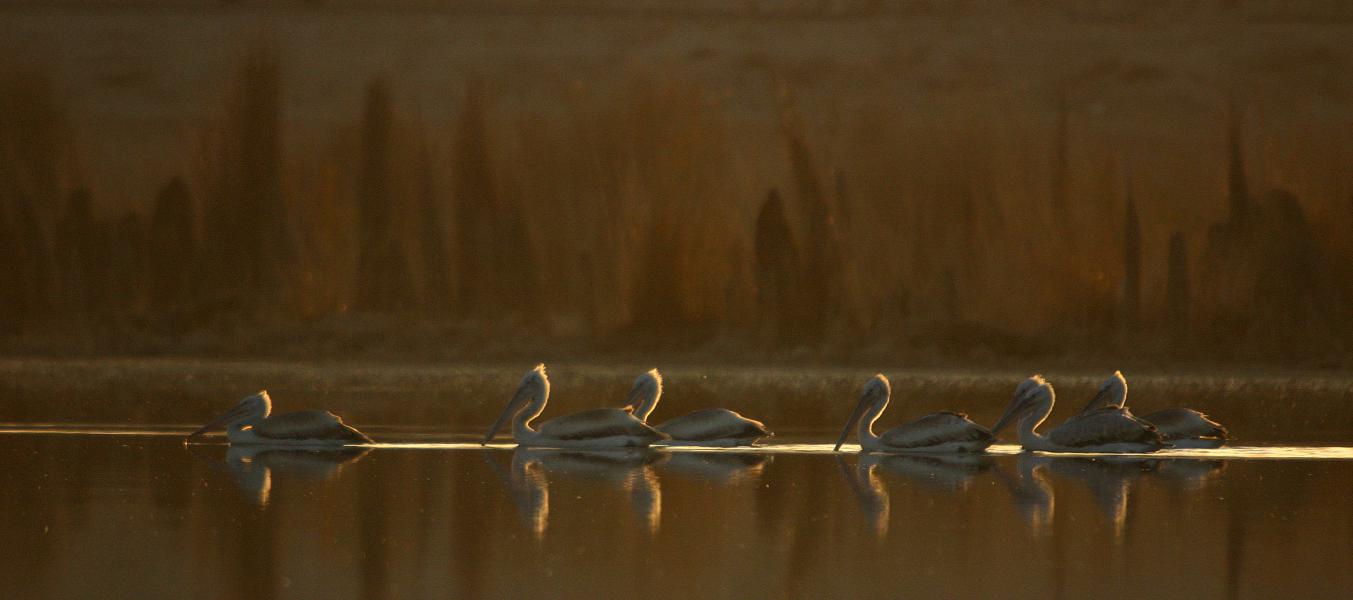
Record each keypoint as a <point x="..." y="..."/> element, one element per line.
<point x="935" y="429"/>
<point x="597" y="423"/>
<point x="713" y="424"/>
<point x="1104" y="426"/>
<point x="309" y="425"/>
<point x="1178" y="423"/>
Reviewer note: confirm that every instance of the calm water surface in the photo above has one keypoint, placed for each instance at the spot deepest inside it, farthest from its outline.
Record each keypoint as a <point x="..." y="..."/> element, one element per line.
<point x="134" y="513"/>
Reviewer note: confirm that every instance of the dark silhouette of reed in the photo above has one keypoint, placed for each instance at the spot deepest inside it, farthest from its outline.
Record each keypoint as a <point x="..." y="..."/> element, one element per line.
<point x="248" y="244"/>
<point x="383" y="280"/>
<point x="435" y="259"/>
<point x="32" y="159"/>
<point x="778" y="283"/>
<point x="1132" y="262"/>
<point x="476" y="201"/>
<point x="1177" y="299"/>
<point x="822" y="259"/>
<point x="81" y="257"/>
<point x="172" y="257"/>
<point x="630" y="210"/>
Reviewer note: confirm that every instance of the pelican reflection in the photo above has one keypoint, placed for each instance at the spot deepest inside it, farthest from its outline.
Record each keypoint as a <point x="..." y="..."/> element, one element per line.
<point x="944" y="473"/>
<point x="252" y="467"/>
<point x="1190" y="474"/>
<point x="1110" y="480"/>
<point x="627" y="469"/>
<point x="870" y="493"/>
<point x="1032" y="491"/>
<point x="723" y="468"/>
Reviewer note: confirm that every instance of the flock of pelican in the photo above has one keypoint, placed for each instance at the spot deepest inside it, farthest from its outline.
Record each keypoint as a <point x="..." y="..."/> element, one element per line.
<point x="1105" y="425"/>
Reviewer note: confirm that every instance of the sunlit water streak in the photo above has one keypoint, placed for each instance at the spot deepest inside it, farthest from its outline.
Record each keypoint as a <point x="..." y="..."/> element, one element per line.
<point x="1226" y="453"/>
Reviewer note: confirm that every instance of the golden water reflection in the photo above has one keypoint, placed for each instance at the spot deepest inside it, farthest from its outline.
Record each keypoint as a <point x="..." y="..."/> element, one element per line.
<point x="431" y="520"/>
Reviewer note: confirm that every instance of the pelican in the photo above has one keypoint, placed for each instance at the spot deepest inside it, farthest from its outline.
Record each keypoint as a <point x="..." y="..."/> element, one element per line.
<point x="594" y="428"/>
<point x="708" y="427"/>
<point x="939" y="432"/>
<point x="1181" y="427"/>
<point x="252" y="422"/>
<point x="1103" y="430"/>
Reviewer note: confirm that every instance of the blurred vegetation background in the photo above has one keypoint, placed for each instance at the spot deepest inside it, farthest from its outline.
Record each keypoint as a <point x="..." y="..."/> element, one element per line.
<point x="964" y="181"/>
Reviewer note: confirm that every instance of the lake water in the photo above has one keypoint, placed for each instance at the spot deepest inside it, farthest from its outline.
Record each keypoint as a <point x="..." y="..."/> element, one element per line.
<point x="134" y="513"/>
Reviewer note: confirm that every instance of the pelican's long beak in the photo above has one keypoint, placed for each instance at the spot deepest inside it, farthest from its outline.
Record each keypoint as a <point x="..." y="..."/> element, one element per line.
<point x="514" y="405"/>
<point x="1018" y="406"/>
<point x="850" y="423"/>
<point x="234" y="413"/>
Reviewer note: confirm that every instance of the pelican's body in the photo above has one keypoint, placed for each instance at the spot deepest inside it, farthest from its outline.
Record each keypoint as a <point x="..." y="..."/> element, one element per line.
<point x="594" y="428"/>
<point x="941" y="432"/>
<point x="1187" y="428"/>
<point x="251" y="422"/>
<point x="1181" y="427"/>
<point x="717" y="427"/>
<point x="1112" y="430"/>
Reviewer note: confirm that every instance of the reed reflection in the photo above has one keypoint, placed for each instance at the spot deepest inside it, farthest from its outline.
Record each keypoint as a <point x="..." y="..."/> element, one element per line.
<point x="629" y="470"/>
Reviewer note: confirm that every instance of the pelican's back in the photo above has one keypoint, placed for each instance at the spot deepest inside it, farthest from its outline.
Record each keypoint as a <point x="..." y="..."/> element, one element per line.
<point x="309" y="425"/>
<point x="1102" y="427"/>
<point x="713" y="424"/>
<point x="597" y="423"/>
<point x="935" y="429"/>
<point x="1180" y="423"/>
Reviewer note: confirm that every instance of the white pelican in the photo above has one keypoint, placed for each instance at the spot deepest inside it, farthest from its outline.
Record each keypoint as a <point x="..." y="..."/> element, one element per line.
<point x="935" y="432"/>
<point x="594" y="428"/>
<point x="1181" y="427"/>
<point x="1103" y="430"/>
<point x="252" y="422"/>
<point x="708" y="427"/>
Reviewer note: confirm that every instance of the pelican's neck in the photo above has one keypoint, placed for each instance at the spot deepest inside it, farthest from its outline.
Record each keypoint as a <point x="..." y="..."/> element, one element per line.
<point x="650" y="403"/>
<point x="1120" y="395"/>
<point x="1028" y="434"/>
<point x="868" y="439"/>
<point x="521" y="424"/>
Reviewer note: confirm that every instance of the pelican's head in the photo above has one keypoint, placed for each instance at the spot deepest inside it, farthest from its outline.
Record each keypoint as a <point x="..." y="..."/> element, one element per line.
<point x="1111" y="394"/>
<point x="1029" y="394"/>
<point x="534" y="386"/>
<point x="874" y="395"/>
<point x="644" y="396"/>
<point x="257" y="406"/>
